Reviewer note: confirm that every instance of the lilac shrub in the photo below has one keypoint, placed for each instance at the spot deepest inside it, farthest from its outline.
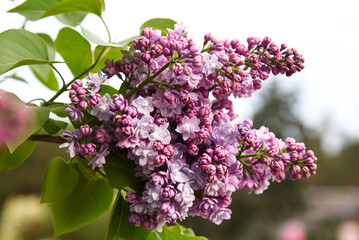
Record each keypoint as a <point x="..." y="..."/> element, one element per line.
<point x="174" y="119"/>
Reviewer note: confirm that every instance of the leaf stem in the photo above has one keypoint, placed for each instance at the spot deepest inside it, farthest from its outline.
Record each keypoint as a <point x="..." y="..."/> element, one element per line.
<point x="46" y="138"/>
<point x="108" y="31"/>
<point x="148" y="80"/>
<point x="57" y="71"/>
<point x="64" y="88"/>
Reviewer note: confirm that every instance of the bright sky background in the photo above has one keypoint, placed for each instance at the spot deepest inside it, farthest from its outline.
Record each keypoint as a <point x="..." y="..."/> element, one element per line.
<point x="325" y="32"/>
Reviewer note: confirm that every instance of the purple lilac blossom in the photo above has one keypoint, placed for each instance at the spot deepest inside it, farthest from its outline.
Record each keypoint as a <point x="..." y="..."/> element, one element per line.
<point x="95" y="80"/>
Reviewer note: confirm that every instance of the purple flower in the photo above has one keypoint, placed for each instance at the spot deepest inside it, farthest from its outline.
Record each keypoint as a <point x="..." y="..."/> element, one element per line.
<point x="95" y="80"/>
<point x="208" y="206"/>
<point x="220" y="214"/>
<point x="188" y="127"/>
<point x="102" y="109"/>
<point x="74" y="113"/>
<point x="185" y="194"/>
<point x="71" y="143"/>
<point x="175" y="172"/>
<point x="144" y="151"/>
<point x="160" y="133"/>
<point x="143" y="105"/>
<point x="210" y="64"/>
<point x="99" y="159"/>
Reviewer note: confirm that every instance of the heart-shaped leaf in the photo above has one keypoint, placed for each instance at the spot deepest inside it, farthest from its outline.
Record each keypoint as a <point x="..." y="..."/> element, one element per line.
<point x="10" y="161"/>
<point x="160" y="24"/>
<point x="59" y="181"/>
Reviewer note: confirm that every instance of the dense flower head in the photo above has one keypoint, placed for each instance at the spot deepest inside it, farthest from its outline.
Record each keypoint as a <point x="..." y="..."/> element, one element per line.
<point x="174" y="119"/>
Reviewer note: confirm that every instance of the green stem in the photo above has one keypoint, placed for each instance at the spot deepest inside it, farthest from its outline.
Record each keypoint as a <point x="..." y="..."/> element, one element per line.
<point x="108" y="31"/>
<point x="250" y="155"/>
<point x="64" y="88"/>
<point x="57" y="71"/>
<point x="148" y="80"/>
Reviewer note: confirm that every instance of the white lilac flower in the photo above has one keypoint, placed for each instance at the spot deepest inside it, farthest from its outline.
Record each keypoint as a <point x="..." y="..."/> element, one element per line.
<point x="99" y="159"/>
<point x="210" y="64"/>
<point x="144" y="151"/>
<point x="220" y="214"/>
<point x="144" y="127"/>
<point x="175" y="172"/>
<point x="185" y="195"/>
<point x="143" y="105"/>
<point x="161" y="133"/>
<point x="102" y="109"/>
<point x="95" y="80"/>
<point x="188" y="127"/>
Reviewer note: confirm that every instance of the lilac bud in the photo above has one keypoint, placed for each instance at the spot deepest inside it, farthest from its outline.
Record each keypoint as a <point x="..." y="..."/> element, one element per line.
<point x="135" y="218"/>
<point x="192" y="149"/>
<point x="197" y="61"/>
<point x="159" y="178"/>
<point x="169" y="150"/>
<point x="146" y="57"/>
<point x="131" y="197"/>
<point x="224" y="201"/>
<point x="131" y="111"/>
<point x="102" y="136"/>
<point x="159" y="160"/>
<point x="203" y="133"/>
<point x="210" y="169"/>
<point x="204" y="160"/>
<point x="177" y="68"/>
<point x="81" y="92"/>
<point x="221" y="170"/>
<point x="85" y="130"/>
<point x="168" y="192"/>
<point x="83" y="104"/>
<point x="208" y="37"/>
<point x="147" y="224"/>
<point x="76" y="84"/>
<point x="94" y="99"/>
<point x="126" y="131"/>
<point x="165" y="207"/>
<point x="212" y="178"/>
<point x="158" y="146"/>
<point x="87" y="149"/>
<point x="172" y="216"/>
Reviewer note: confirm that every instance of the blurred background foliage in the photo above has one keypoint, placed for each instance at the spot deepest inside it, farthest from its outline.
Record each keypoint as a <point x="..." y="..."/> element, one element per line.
<point x="320" y="203"/>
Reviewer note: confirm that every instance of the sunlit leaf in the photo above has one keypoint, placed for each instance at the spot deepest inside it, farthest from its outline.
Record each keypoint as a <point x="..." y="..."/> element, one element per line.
<point x="59" y="181"/>
<point x="34" y="9"/>
<point x="88" y="200"/>
<point x="71" y="18"/>
<point x="74" y="49"/>
<point x="110" y="53"/>
<point x="44" y="72"/>
<point x="20" y="47"/>
<point x="159" y="23"/>
<point x="58" y="109"/>
<point x="89" y="6"/>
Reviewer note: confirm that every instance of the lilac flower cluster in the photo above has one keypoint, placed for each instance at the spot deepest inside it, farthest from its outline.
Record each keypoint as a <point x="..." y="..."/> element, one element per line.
<point x="187" y="148"/>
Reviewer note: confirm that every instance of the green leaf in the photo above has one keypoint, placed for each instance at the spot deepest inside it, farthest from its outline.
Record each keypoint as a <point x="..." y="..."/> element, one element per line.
<point x="58" y="109"/>
<point x="86" y="170"/>
<point x="40" y="116"/>
<point x="110" y="53"/>
<point x="108" y="89"/>
<point x="176" y="232"/>
<point x="120" y="172"/>
<point x="34" y="9"/>
<point x="44" y="72"/>
<point x="71" y="18"/>
<point x="59" y="181"/>
<point x="160" y="24"/>
<point x="89" y="200"/>
<point x="74" y="49"/>
<point x="119" y="228"/>
<point x="10" y="161"/>
<point x="89" y="6"/>
<point x="52" y="126"/>
<point x="20" y="47"/>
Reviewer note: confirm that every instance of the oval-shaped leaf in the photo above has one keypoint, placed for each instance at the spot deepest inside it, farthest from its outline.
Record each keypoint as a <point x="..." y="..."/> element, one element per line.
<point x="58" y="109"/>
<point x="71" y="18"/>
<point x="44" y="73"/>
<point x="10" y="161"/>
<point x="120" y="172"/>
<point x="159" y="23"/>
<point x="52" y="126"/>
<point x="90" y="6"/>
<point x="34" y="9"/>
<point x="59" y="181"/>
<point x="40" y="116"/>
<point x="20" y="47"/>
<point x="89" y="200"/>
<point x="176" y="232"/>
<point x="74" y="49"/>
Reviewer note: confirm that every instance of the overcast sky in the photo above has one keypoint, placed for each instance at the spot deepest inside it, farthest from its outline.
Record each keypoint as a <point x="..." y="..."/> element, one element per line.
<point x="325" y="32"/>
